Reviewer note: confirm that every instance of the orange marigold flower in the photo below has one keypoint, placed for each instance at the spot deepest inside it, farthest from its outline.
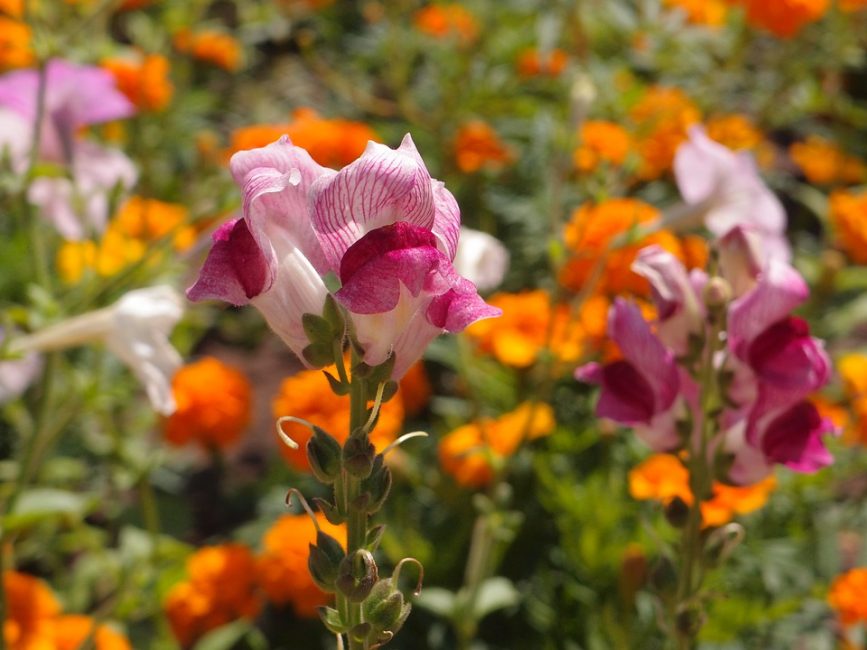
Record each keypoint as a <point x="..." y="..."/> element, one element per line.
<point x="532" y="63"/>
<point x="213" y="404"/>
<point x="308" y="395"/>
<point x="601" y="142"/>
<point x="31" y="611"/>
<point x="839" y="416"/>
<point x="662" y="117"/>
<point x="853" y="372"/>
<point x="330" y="142"/>
<point x="477" y="145"/>
<point x="473" y="453"/>
<point x="145" y="82"/>
<point x="823" y="163"/>
<point x="281" y="568"/>
<point x="737" y="132"/>
<point x="663" y="477"/>
<point x="221" y="588"/>
<point x="217" y="48"/>
<point x="15" y="49"/>
<point x="783" y="18"/>
<point x="593" y="229"/>
<point x="446" y="21"/>
<point x="520" y="335"/>
<point x="848" y="213"/>
<point x="415" y="389"/>
<point x="14" y="8"/>
<point x="846" y="596"/>
<point x="711" y="13"/>
<point x="850" y="6"/>
<point x="71" y="631"/>
<point x="149" y="220"/>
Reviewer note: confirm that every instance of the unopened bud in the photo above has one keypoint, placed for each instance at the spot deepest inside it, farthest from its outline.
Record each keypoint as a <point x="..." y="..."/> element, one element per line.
<point x="357" y="575"/>
<point x="324" y="456"/>
<point x="385" y="608"/>
<point x="324" y="561"/>
<point x="689" y="621"/>
<point x="717" y="293"/>
<point x="677" y="512"/>
<point x="378" y="484"/>
<point x="358" y="454"/>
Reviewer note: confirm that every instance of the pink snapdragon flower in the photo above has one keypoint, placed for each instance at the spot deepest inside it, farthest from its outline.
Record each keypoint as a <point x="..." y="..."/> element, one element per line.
<point x="75" y="96"/>
<point x="771" y="360"/>
<point x="726" y="186"/>
<point x="381" y="226"/>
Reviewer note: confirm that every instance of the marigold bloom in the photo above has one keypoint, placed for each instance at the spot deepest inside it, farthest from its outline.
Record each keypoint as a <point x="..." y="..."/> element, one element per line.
<point x="601" y="142"/>
<point x="221" y="588"/>
<point x="472" y="453"/>
<point x="846" y="596"/>
<point x="415" y="389"/>
<point x="850" y="6"/>
<point x="145" y="82"/>
<point x="711" y="13"/>
<point x="308" y="395"/>
<point x="477" y="145"/>
<point x="15" y="49"/>
<point x="663" y="477"/>
<point x="533" y="63"/>
<point x="31" y="610"/>
<point x="213" y="404"/>
<point x="149" y="220"/>
<point x="520" y="335"/>
<point x="446" y="21"/>
<point x="112" y="254"/>
<point x="216" y="48"/>
<point x="14" y="8"/>
<point x="783" y="18"/>
<point x="662" y="117"/>
<point x="71" y="631"/>
<point x="735" y="131"/>
<point x="330" y="142"/>
<point x="848" y="213"/>
<point x="853" y="371"/>
<point x="824" y="163"/>
<point x="281" y="568"/>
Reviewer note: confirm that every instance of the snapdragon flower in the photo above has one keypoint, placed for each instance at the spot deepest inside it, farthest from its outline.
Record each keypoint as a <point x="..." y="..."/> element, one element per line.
<point x="381" y="227"/>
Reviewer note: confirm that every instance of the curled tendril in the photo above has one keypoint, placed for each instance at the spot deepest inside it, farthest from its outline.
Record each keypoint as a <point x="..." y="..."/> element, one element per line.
<point x="407" y="436"/>
<point x="287" y="440"/>
<point x="377" y="404"/>
<point x="395" y="575"/>
<point x="296" y="493"/>
<point x="728" y="537"/>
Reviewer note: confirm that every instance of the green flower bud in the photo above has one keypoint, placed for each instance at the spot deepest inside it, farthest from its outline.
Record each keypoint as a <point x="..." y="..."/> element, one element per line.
<point x="324" y="456"/>
<point x="357" y="574"/>
<point x="378" y="484"/>
<point x="358" y="454"/>
<point x="324" y="561"/>
<point x="385" y="608"/>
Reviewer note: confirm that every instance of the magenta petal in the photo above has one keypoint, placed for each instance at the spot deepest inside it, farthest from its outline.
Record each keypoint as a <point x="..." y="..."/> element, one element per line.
<point x="447" y="219"/>
<point x="380" y="188"/>
<point x="650" y="358"/>
<point x="235" y="270"/>
<point x="780" y="288"/>
<point x="786" y="357"/>
<point x="626" y="396"/>
<point x="459" y="307"/>
<point x="374" y="268"/>
<point x="589" y="373"/>
<point x="794" y="439"/>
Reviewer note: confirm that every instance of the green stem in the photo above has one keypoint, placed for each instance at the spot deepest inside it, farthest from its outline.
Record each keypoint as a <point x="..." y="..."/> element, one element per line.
<point x="478" y="570"/>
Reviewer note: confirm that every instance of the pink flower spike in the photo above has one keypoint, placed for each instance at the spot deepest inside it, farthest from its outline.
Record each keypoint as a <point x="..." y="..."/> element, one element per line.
<point x="728" y="187"/>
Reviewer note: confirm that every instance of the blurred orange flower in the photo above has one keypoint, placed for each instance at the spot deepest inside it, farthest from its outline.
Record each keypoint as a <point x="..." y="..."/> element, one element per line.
<point x="853" y="372"/>
<point x="14" y="8"/>
<point x="850" y="6"/>
<point x="112" y="254"/>
<point x="477" y="145"/>
<point x="711" y="13"/>
<point x="783" y="18"/>
<point x="217" y="48"/>
<point x="330" y="142"/>
<point x="601" y="142"/>
<point x="594" y="228"/>
<point x="281" y="568"/>
<point x="32" y="609"/>
<point x="150" y="220"/>
<point x="415" y="389"/>
<point x="532" y="63"/>
<point x="661" y="117"/>
<point x="213" y="404"/>
<point x="446" y="21"/>
<point x="735" y="131"/>
<point x="824" y="163"/>
<point x="71" y="631"/>
<point x="520" y="335"/>
<point x="662" y="477"/>
<point x="145" y="81"/>
<point x="308" y="395"/>
<point x="221" y="588"/>
<point x="848" y="215"/>
<point x="473" y="453"/>
<point x="15" y="49"/>
<point x="846" y="596"/>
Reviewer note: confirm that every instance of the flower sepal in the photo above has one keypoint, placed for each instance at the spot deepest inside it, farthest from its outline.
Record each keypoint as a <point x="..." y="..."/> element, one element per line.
<point x="324" y="561"/>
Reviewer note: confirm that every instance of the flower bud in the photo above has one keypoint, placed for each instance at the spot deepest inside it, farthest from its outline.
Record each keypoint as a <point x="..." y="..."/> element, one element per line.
<point x="677" y="512"/>
<point x="357" y="575"/>
<point x="385" y="608"/>
<point x="689" y="621"/>
<point x="324" y="456"/>
<point x="716" y="293"/>
<point x="358" y="454"/>
<point x="378" y="484"/>
<point x="324" y="561"/>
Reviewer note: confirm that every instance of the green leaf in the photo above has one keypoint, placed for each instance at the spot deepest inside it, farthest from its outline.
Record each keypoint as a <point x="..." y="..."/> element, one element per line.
<point x="39" y="504"/>
<point x="437" y="600"/>
<point x="225" y="637"/>
<point x="495" y="593"/>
